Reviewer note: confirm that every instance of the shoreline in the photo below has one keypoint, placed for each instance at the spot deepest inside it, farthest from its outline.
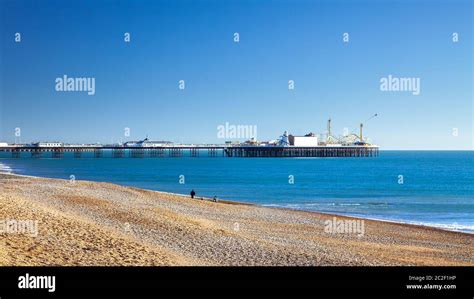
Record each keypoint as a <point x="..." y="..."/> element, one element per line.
<point x="232" y="202"/>
<point x="379" y="220"/>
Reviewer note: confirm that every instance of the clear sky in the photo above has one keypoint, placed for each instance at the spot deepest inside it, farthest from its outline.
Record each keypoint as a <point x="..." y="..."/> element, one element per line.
<point x="244" y="83"/>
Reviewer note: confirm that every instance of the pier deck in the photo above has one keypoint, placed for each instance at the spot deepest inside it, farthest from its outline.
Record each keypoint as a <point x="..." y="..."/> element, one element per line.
<point x="193" y="151"/>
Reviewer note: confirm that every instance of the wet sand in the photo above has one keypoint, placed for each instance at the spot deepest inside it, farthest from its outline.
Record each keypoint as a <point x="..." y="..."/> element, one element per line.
<point x="88" y="223"/>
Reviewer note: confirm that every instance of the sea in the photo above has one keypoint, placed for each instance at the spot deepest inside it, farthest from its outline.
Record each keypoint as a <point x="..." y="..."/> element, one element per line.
<point x="432" y="188"/>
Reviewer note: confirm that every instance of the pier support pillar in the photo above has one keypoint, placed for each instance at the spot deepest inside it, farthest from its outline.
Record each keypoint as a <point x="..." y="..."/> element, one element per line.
<point x="36" y="154"/>
<point x="97" y="153"/>
<point x="137" y="153"/>
<point x="212" y="152"/>
<point x="157" y="153"/>
<point x="16" y="153"/>
<point x="57" y="153"/>
<point x="118" y="153"/>
<point x="194" y="152"/>
<point x="175" y="152"/>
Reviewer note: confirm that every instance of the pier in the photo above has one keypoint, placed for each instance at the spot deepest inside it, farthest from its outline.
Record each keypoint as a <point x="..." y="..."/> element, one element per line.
<point x="292" y="151"/>
<point x="286" y="146"/>
<point x="240" y="151"/>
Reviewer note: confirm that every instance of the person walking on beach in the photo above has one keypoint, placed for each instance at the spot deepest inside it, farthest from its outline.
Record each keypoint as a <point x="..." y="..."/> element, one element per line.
<point x="214" y="199"/>
<point x="193" y="193"/>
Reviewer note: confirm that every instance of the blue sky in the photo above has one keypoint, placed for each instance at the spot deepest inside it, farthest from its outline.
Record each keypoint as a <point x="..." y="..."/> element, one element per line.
<point x="243" y="83"/>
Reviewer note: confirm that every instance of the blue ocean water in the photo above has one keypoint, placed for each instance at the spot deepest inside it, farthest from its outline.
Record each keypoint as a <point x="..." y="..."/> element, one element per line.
<point x="437" y="187"/>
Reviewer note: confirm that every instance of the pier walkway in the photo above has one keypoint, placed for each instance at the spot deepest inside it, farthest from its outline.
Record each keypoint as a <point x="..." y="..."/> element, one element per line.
<point x="192" y="151"/>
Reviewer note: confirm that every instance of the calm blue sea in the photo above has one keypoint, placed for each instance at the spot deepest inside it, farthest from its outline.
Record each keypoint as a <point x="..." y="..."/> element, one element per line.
<point x="437" y="188"/>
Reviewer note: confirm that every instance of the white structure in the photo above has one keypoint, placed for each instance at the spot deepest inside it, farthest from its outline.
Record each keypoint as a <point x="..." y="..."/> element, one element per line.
<point x="157" y="143"/>
<point x="303" y="141"/>
<point x="146" y="143"/>
<point x="83" y="145"/>
<point x="48" y="144"/>
<point x="3" y="144"/>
